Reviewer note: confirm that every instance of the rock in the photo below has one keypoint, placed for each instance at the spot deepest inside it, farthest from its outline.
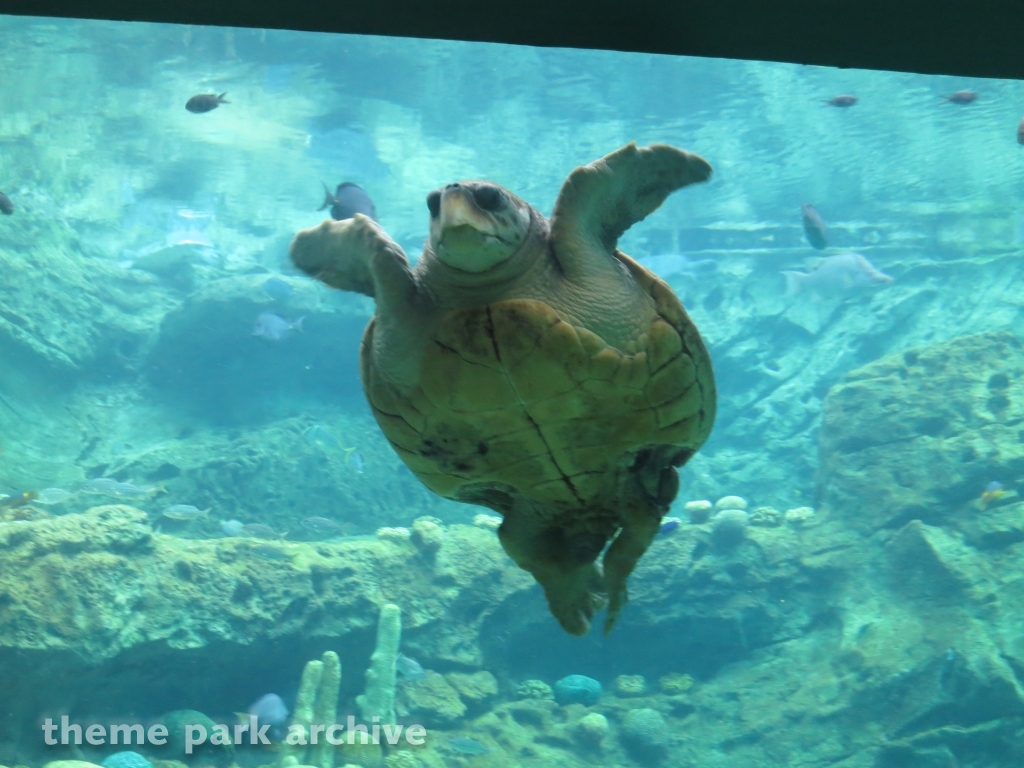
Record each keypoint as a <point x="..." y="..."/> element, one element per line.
<point x="427" y="534"/>
<point x="534" y="689"/>
<point x="431" y="701"/>
<point x="921" y="433"/>
<point x="626" y="686"/>
<point x="644" y="732"/>
<point x="476" y="689"/>
<point x="730" y="502"/>
<point x="490" y="522"/>
<point x="698" y="511"/>
<point x="799" y="516"/>
<point x="766" y="517"/>
<point x="729" y="527"/>
<point x="591" y="729"/>
<point x="396" y="534"/>
<point x="577" y="689"/>
<point x="674" y="684"/>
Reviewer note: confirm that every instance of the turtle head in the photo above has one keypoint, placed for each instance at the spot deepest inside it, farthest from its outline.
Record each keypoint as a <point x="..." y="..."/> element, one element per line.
<point x="475" y="225"/>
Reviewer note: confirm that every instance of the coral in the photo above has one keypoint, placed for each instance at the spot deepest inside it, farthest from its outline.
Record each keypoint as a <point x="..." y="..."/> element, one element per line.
<point x="126" y="759"/>
<point x="698" y="511"/>
<point x="534" y="689"/>
<point x="766" y="517"/>
<point x="644" y="728"/>
<point x="379" y="698"/>
<point x="731" y="502"/>
<point x="577" y="689"/>
<point x="394" y="534"/>
<point x="427" y="534"/>
<point x="629" y="685"/>
<point x="729" y="527"/>
<point x="316" y="702"/>
<point x="432" y="701"/>
<point x="674" y="683"/>
<point x="474" y="688"/>
<point x="799" y="515"/>
<point x="490" y="522"/>
<point x="592" y="728"/>
<point x="403" y="758"/>
<point x="70" y="764"/>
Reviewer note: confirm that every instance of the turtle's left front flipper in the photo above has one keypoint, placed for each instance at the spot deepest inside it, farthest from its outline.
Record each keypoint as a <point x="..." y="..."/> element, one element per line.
<point x="600" y="201"/>
<point x="354" y="255"/>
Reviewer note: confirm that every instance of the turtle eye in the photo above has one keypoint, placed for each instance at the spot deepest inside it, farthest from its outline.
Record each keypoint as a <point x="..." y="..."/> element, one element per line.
<point x="487" y="198"/>
<point x="434" y="204"/>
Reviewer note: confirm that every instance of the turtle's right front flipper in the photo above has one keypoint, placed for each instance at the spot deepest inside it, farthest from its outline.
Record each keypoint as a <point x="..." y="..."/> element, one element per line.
<point x="354" y="255"/>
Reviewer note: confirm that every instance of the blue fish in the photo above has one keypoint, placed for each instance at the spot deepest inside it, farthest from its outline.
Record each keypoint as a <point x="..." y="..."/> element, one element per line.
<point x="274" y="327"/>
<point x="668" y="526"/>
<point x="408" y="668"/>
<point x="278" y="289"/>
<point x="467" y="746"/>
<point x="270" y="709"/>
<point x="232" y="527"/>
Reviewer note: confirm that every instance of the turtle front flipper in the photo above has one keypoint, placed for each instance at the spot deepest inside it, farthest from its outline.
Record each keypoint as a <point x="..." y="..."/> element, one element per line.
<point x="600" y="201"/>
<point x="354" y="255"/>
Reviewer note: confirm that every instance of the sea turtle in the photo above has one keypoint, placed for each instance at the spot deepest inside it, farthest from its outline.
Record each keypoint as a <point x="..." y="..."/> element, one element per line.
<point x="526" y="365"/>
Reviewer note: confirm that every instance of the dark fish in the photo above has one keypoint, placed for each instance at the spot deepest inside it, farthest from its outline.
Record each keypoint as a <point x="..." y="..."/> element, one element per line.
<point x="466" y="746"/>
<point x="13" y="502"/>
<point x="842" y="101"/>
<point x="205" y="102"/>
<point x="1020" y="134"/>
<point x="962" y="97"/>
<point x="348" y="200"/>
<point x="6" y="206"/>
<point x="814" y="227"/>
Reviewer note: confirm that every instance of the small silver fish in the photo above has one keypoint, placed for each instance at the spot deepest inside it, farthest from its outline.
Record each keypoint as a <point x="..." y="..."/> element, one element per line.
<point x="835" y="275"/>
<point x="102" y="486"/>
<point x="53" y="496"/>
<point x="356" y="460"/>
<point x="321" y="524"/>
<point x="185" y="512"/>
<point x="260" y="531"/>
<point x="274" y="327"/>
<point x="129" y="491"/>
<point x="466" y="746"/>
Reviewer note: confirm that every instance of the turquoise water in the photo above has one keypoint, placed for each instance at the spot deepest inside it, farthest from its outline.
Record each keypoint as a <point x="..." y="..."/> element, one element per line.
<point x="864" y="615"/>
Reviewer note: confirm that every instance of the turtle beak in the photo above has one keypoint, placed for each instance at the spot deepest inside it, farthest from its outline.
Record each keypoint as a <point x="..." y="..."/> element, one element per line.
<point x="459" y="210"/>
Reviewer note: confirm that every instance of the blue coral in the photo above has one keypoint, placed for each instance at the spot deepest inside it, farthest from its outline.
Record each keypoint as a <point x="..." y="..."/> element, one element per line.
<point x="126" y="759"/>
<point x="577" y="689"/>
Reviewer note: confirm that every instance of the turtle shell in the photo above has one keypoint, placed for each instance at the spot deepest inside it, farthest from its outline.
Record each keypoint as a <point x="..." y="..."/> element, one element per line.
<point x="521" y="411"/>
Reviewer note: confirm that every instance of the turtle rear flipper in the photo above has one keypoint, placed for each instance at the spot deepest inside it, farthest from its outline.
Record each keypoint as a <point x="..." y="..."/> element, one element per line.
<point x="354" y="255"/>
<point x="600" y="201"/>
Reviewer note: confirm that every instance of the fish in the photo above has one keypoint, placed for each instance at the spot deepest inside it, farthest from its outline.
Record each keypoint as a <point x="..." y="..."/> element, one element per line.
<point x="53" y="496"/>
<point x="408" y="668"/>
<point x="278" y="289"/>
<point x="961" y="97"/>
<point x="814" y="227"/>
<point x="842" y="101"/>
<point x="13" y="502"/>
<point x="269" y="552"/>
<point x="102" y="486"/>
<point x="668" y="525"/>
<point x="232" y="527"/>
<point x="322" y="438"/>
<point x="321" y="524"/>
<point x="355" y="460"/>
<point x="274" y="327"/>
<point x="348" y="200"/>
<point x="6" y="206"/>
<point x="129" y="491"/>
<point x="467" y="746"/>
<point x="667" y="264"/>
<point x="269" y="708"/>
<point x="1020" y="131"/>
<point x="261" y="531"/>
<point x="185" y="512"/>
<point x="994" y="492"/>
<point x="205" y="102"/>
<point x="835" y="275"/>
